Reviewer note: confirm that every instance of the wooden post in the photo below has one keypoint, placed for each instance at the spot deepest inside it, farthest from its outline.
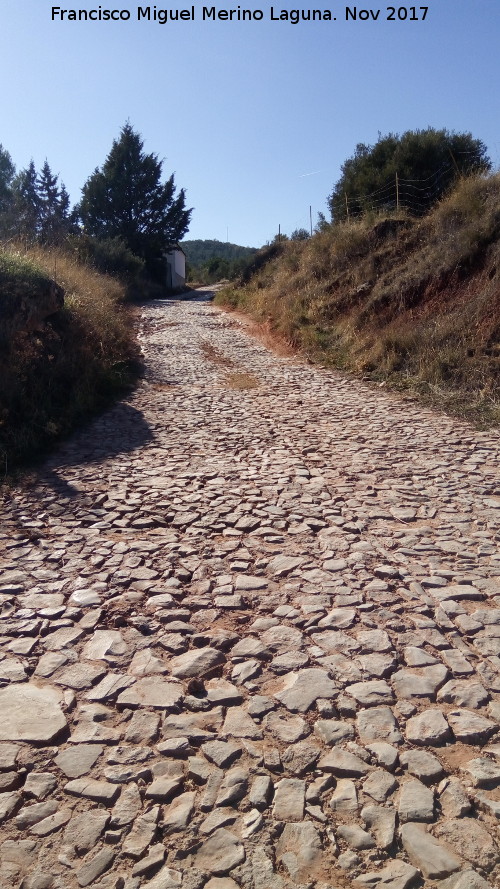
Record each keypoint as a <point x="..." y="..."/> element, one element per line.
<point x="397" y="193"/>
<point x="346" y="206"/>
<point x="454" y="161"/>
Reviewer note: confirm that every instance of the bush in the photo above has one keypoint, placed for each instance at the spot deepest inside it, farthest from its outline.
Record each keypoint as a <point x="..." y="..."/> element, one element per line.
<point x="108" y="255"/>
<point x="426" y="162"/>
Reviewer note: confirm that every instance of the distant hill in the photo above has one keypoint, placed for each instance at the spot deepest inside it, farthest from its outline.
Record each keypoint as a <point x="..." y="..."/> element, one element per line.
<point x="198" y="253"/>
<point x="210" y="261"/>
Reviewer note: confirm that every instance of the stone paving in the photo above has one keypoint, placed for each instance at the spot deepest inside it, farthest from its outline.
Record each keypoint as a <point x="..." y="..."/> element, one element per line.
<point x="250" y="635"/>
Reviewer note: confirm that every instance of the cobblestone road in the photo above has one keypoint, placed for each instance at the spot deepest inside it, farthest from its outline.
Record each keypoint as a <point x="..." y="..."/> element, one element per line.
<point x="250" y="635"/>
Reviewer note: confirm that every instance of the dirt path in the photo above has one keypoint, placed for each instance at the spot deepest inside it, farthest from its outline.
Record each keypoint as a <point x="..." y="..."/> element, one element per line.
<point x="250" y="635"/>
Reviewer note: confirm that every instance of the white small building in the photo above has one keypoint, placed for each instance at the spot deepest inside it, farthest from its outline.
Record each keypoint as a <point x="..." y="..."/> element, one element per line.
<point x="175" y="259"/>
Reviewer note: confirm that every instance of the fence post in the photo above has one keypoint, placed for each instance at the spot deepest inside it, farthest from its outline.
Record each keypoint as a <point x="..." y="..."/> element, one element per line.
<point x="454" y="161"/>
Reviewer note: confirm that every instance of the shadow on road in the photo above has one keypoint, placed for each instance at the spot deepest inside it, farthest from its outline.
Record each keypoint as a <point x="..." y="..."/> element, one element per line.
<point x="201" y="295"/>
<point x="120" y="430"/>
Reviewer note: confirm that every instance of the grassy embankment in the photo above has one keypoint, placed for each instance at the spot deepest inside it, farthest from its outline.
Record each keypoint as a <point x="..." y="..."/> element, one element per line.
<point x="414" y="303"/>
<point x="72" y="365"/>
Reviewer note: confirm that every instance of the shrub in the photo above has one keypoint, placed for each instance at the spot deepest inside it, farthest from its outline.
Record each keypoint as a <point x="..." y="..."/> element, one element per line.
<point x="425" y="162"/>
<point x="111" y="256"/>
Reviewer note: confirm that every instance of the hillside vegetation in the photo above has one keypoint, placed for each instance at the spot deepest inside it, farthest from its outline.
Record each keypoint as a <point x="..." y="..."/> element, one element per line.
<point x="411" y="302"/>
<point x="210" y="261"/>
<point x="56" y="372"/>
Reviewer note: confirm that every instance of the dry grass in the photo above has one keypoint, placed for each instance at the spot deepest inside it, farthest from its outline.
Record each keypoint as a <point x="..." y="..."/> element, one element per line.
<point x="214" y="355"/>
<point x="241" y="381"/>
<point x="415" y="303"/>
<point x="98" y="301"/>
<point x="73" y="365"/>
<point x="233" y="379"/>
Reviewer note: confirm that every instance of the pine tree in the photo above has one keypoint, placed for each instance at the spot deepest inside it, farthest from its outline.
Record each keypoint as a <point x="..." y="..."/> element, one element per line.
<point x="126" y="199"/>
<point x="26" y="204"/>
<point x="54" y="207"/>
<point x="7" y="171"/>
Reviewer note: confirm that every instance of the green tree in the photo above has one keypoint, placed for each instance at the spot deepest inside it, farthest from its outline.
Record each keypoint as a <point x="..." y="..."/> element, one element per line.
<point x="7" y="171"/>
<point x="413" y="170"/>
<point x="322" y="223"/>
<point x="300" y="234"/>
<point x="40" y="207"/>
<point x="126" y="199"/>
<point x="25" y="214"/>
<point x="54" y="214"/>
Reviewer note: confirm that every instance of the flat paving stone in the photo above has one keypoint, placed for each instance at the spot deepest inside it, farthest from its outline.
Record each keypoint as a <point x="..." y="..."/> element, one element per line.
<point x="91" y="870"/>
<point x="463" y="693"/>
<point x="220" y="853"/>
<point x="421" y="683"/>
<point x="343" y="764"/>
<point x="248" y="583"/>
<point x="429" y="727"/>
<point x="221" y="753"/>
<point x="371" y="693"/>
<point x="299" y="850"/>
<point x="416" y="802"/>
<point x="99" y="791"/>
<point x="484" y="772"/>
<point x="152" y="692"/>
<point x="381" y="821"/>
<point x="289" y="800"/>
<point x="378" y="724"/>
<point x="395" y="875"/>
<point x="300" y="690"/>
<point x="196" y="662"/>
<point x="30" y="713"/>
<point x="380" y="785"/>
<point x="432" y="858"/>
<point x="470" y="727"/>
<point x="471" y="840"/>
<point x="105" y="644"/>
<point x="422" y="765"/>
<point x="345" y="797"/>
<point x="332" y="731"/>
<point x="178" y="814"/>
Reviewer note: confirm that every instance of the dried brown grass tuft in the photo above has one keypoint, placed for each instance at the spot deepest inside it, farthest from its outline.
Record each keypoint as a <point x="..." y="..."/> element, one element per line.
<point x="241" y="380"/>
<point x="214" y="355"/>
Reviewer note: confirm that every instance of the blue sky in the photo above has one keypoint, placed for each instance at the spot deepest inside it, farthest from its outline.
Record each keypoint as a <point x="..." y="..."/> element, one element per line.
<point x="242" y="112"/>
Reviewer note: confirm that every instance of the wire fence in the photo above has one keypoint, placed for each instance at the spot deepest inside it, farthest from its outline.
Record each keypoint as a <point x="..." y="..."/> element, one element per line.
<point x="415" y="196"/>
